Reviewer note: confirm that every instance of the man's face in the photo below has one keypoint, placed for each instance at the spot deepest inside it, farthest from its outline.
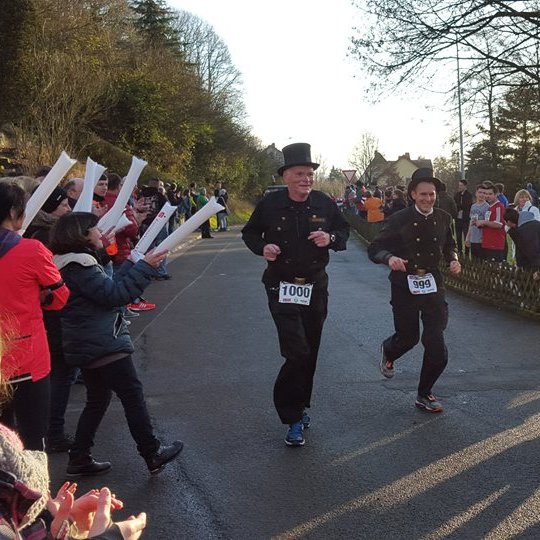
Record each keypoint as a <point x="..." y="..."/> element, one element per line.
<point x="424" y="196"/>
<point x="461" y="186"/>
<point x="491" y="196"/>
<point x="299" y="180"/>
<point x="75" y="191"/>
<point x="101" y="188"/>
<point x="480" y="195"/>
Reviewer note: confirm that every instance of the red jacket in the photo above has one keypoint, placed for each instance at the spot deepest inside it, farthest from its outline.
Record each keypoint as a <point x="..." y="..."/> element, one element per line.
<point x="126" y="235"/>
<point x="27" y="276"/>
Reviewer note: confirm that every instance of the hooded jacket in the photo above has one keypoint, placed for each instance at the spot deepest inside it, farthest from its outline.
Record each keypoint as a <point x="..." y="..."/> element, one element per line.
<point x="41" y="226"/>
<point x="93" y="326"/>
<point x="29" y="282"/>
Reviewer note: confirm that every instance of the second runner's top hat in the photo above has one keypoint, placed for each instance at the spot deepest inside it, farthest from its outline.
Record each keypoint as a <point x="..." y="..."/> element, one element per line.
<point x="296" y="154"/>
<point x="424" y="174"/>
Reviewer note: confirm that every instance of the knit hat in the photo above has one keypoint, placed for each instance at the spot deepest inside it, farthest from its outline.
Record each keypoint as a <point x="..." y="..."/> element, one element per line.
<point x="28" y="466"/>
<point x="54" y="200"/>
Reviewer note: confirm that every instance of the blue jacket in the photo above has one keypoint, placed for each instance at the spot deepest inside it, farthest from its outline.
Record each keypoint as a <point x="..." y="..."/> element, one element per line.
<point x="92" y="322"/>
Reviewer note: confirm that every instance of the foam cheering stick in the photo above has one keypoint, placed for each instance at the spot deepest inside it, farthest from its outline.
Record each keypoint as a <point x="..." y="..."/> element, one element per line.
<point x="153" y="230"/>
<point x="177" y="237"/>
<point x="111" y="218"/>
<point x="44" y="190"/>
<point x="92" y="175"/>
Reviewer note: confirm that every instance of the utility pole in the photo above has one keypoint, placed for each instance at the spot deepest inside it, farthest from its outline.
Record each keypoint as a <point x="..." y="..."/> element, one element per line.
<point x="461" y="159"/>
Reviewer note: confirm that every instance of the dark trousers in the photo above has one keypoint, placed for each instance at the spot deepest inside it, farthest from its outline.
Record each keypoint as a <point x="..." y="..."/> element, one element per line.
<point x="28" y="412"/>
<point x="299" y="329"/>
<point x="62" y="377"/>
<point x="121" y="378"/>
<point x="205" y="229"/>
<point x="462" y="227"/>
<point x="408" y="309"/>
<point x="497" y="255"/>
<point x="476" y="251"/>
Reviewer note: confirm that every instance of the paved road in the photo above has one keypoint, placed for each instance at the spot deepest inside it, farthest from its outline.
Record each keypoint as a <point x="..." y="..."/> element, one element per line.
<point x="373" y="466"/>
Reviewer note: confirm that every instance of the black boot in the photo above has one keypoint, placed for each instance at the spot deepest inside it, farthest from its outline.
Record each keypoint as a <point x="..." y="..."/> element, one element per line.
<point x="157" y="460"/>
<point x="86" y="465"/>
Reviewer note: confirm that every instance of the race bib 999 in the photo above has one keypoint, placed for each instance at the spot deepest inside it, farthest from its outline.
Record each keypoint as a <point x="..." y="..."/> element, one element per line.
<point x="422" y="284"/>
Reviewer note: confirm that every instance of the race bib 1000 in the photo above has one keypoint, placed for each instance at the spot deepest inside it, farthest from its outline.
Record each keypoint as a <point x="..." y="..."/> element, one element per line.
<point x="290" y="293"/>
<point x="422" y="284"/>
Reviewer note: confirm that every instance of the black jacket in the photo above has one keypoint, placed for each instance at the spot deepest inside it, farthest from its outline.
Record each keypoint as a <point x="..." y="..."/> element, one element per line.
<point x="281" y="221"/>
<point x="527" y="240"/>
<point x="464" y="202"/>
<point x="92" y="323"/>
<point x="420" y="240"/>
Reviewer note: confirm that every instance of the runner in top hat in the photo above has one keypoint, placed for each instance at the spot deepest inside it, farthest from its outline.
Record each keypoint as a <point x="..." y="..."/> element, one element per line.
<point x="412" y="242"/>
<point x="293" y="230"/>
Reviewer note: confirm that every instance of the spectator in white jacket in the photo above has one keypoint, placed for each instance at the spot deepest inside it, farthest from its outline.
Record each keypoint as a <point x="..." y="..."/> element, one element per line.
<point x="523" y="203"/>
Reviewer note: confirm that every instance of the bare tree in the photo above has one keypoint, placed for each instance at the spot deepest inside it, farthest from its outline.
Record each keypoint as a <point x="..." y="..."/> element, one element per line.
<point x="409" y="39"/>
<point x="362" y="157"/>
<point x="209" y="56"/>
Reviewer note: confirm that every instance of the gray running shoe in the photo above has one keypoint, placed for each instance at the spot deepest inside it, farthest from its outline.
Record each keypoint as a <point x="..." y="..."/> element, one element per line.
<point x="385" y="365"/>
<point x="429" y="403"/>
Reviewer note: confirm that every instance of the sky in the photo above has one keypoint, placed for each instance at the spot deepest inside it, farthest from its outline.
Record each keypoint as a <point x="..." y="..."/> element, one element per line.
<point x="300" y="86"/>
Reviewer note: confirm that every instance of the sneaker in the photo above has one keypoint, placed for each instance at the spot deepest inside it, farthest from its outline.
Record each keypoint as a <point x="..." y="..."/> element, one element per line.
<point x="385" y="365"/>
<point x="86" y="466"/>
<point x="429" y="403"/>
<point x="58" y="445"/>
<point x="130" y="314"/>
<point x="163" y="455"/>
<point x="295" y="435"/>
<point x="306" y="420"/>
<point x="126" y="322"/>
<point x="141" y="306"/>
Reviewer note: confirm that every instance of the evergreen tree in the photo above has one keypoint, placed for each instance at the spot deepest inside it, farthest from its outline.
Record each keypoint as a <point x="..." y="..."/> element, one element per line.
<point x="155" y="21"/>
<point x="336" y="175"/>
<point x="518" y="121"/>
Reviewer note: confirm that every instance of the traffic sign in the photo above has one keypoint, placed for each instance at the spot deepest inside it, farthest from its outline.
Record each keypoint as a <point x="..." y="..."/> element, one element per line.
<point x="349" y="175"/>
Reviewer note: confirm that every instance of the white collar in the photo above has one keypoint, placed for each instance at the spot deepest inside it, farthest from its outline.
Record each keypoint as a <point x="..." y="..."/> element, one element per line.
<point x="423" y="213"/>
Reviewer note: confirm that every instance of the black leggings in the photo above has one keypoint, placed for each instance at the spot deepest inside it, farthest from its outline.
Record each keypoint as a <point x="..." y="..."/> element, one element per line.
<point x="28" y="412"/>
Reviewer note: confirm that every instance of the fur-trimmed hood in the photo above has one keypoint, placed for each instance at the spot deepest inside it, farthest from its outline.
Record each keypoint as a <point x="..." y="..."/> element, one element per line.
<point x="84" y="259"/>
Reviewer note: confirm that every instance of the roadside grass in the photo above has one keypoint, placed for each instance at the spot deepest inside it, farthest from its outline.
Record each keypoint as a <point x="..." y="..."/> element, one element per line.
<point x="240" y="209"/>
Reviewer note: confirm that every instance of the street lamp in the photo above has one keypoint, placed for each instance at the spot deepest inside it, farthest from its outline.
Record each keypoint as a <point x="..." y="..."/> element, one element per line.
<point x="461" y="160"/>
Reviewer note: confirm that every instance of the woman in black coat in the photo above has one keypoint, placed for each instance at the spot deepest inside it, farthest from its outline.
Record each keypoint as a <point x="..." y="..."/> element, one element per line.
<point x="96" y="339"/>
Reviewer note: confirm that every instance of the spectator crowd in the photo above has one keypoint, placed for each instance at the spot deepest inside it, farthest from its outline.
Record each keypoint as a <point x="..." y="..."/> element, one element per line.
<point x="69" y="291"/>
<point x="486" y="224"/>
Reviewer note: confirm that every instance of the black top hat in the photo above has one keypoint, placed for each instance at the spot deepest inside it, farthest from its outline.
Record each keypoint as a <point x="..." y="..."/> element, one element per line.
<point x="296" y="154"/>
<point x="423" y="175"/>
